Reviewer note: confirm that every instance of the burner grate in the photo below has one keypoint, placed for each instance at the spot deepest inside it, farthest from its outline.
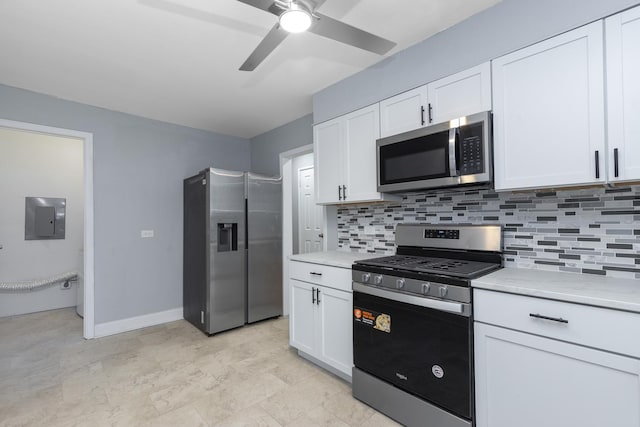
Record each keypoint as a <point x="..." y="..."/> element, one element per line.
<point x="419" y="264"/>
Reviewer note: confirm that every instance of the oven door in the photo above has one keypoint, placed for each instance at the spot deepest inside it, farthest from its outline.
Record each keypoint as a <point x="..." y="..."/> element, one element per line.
<point x="417" y="159"/>
<point x="423" y="351"/>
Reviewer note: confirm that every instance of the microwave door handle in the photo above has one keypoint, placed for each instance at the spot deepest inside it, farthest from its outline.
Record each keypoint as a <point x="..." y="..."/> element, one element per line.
<point x="453" y="166"/>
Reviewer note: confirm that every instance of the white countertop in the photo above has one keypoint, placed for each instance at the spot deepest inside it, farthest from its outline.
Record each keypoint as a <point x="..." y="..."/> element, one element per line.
<point x="608" y="292"/>
<point x="333" y="258"/>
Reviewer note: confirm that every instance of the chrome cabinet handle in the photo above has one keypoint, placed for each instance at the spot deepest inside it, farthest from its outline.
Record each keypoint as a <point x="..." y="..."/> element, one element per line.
<point x="615" y="163"/>
<point x="318" y="296"/>
<point x="344" y="192"/>
<point x="553" y="319"/>
<point x="422" y="114"/>
<point x="430" y="113"/>
<point x="339" y="193"/>
<point x="597" y="164"/>
<point x="313" y="273"/>
<point x="313" y="295"/>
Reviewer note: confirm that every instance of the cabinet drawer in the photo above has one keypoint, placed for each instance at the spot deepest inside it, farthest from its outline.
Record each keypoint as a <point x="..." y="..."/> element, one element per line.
<point x="601" y="328"/>
<point x="332" y="277"/>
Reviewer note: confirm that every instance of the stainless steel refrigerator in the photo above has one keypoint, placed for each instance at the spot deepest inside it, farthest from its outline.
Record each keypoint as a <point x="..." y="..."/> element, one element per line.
<point x="232" y="264"/>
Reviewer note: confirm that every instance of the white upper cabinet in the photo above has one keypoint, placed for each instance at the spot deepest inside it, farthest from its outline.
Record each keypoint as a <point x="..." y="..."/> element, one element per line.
<point x="404" y="112"/>
<point x="460" y="94"/>
<point x="548" y="112"/>
<point x="361" y="129"/>
<point x="329" y="162"/>
<point x="345" y="158"/>
<point x="623" y="95"/>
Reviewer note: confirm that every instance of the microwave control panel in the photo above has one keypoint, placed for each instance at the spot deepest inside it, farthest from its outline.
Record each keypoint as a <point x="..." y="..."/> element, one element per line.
<point x="471" y="150"/>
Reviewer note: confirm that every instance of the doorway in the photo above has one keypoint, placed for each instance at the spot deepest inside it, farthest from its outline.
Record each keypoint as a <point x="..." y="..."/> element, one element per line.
<point x="308" y="216"/>
<point x="87" y="254"/>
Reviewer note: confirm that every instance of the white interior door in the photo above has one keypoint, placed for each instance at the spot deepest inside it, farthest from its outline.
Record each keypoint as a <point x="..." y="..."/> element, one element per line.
<point x="309" y="214"/>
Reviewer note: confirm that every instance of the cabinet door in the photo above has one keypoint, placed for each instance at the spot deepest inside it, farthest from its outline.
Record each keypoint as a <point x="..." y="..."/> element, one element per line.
<point x="403" y="112"/>
<point x="528" y="381"/>
<point x="548" y="105"/>
<point x="362" y="128"/>
<point x="335" y="345"/>
<point x="302" y="316"/>
<point x="460" y="94"/>
<point x="329" y="160"/>
<point x="623" y="95"/>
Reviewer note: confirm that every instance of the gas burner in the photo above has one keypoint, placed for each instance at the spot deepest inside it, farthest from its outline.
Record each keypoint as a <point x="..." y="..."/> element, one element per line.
<point x="470" y="252"/>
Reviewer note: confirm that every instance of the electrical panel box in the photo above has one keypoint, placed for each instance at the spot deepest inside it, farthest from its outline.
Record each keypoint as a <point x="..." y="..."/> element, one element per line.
<point x="44" y="218"/>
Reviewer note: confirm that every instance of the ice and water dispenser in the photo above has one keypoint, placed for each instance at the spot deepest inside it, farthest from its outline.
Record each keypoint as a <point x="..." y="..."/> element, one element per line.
<point x="227" y="236"/>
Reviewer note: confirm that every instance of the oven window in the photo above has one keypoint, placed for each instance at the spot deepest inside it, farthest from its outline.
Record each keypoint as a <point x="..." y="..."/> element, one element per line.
<point x="420" y="158"/>
<point x="423" y="351"/>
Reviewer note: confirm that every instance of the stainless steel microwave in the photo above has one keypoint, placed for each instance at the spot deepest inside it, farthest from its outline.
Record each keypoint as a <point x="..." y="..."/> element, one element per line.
<point x="458" y="152"/>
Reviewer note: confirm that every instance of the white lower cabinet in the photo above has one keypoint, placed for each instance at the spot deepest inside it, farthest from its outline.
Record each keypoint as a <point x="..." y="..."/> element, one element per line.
<point x="302" y="317"/>
<point x="529" y="380"/>
<point x="335" y="334"/>
<point x="320" y="318"/>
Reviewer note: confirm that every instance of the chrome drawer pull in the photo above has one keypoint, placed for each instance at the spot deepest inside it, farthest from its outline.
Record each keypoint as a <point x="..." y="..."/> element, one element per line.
<point x="315" y="274"/>
<point x="554" y="319"/>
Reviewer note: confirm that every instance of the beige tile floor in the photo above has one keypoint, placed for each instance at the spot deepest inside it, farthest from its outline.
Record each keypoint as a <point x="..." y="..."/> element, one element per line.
<point x="167" y="375"/>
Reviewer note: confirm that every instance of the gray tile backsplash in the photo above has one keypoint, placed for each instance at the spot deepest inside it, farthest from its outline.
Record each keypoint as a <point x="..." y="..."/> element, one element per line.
<point x="594" y="231"/>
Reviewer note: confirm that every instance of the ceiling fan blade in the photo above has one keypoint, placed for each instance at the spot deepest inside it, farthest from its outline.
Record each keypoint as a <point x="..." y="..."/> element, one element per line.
<point x="348" y="34"/>
<point x="266" y="5"/>
<point x="317" y="3"/>
<point x="266" y="46"/>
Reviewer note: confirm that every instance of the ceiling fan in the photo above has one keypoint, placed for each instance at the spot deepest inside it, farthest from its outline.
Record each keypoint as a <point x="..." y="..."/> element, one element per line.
<point x="302" y="15"/>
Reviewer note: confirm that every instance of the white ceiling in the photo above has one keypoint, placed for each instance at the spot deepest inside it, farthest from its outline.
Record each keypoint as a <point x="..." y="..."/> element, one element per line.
<point x="177" y="60"/>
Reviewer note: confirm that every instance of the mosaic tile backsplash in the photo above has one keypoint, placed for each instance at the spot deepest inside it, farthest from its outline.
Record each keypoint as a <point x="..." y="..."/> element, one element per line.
<point x="594" y="231"/>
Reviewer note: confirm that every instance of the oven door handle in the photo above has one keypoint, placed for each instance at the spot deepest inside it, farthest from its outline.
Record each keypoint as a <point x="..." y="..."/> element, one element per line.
<point x="451" y="307"/>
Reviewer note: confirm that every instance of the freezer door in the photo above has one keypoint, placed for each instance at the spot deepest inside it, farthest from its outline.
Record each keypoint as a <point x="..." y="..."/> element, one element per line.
<point x="226" y="224"/>
<point x="264" y="228"/>
<point x="194" y="266"/>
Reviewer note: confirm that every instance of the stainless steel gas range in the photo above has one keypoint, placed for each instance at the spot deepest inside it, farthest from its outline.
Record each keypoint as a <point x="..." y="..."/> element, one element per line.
<point x="413" y="323"/>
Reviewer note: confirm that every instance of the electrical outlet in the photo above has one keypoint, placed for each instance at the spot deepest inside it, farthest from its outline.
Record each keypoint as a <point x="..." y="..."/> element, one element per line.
<point x="145" y="234"/>
<point x="65" y="285"/>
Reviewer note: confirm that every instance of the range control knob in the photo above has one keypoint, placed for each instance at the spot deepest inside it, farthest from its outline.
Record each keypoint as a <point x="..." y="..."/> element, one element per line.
<point x="425" y="288"/>
<point x="400" y="283"/>
<point x="365" y="277"/>
<point x="377" y="279"/>
<point x="442" y="291"/>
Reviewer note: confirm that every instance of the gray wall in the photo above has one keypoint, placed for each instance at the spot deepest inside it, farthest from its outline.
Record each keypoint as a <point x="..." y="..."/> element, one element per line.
<point x="139" y="165"/>
<point x="508" y="26"/>
<point x="265" y="148"/>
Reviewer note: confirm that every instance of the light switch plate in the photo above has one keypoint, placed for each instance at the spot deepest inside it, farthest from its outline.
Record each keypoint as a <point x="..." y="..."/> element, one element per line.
<point x="145" y="234"/>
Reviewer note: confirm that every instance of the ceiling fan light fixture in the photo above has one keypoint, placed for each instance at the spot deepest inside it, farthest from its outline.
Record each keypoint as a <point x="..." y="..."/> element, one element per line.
<point x="296" y="19"/>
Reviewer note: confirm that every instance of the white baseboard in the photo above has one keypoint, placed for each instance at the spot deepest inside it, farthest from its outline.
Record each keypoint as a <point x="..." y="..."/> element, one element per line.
<point x="138" y="322"/>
